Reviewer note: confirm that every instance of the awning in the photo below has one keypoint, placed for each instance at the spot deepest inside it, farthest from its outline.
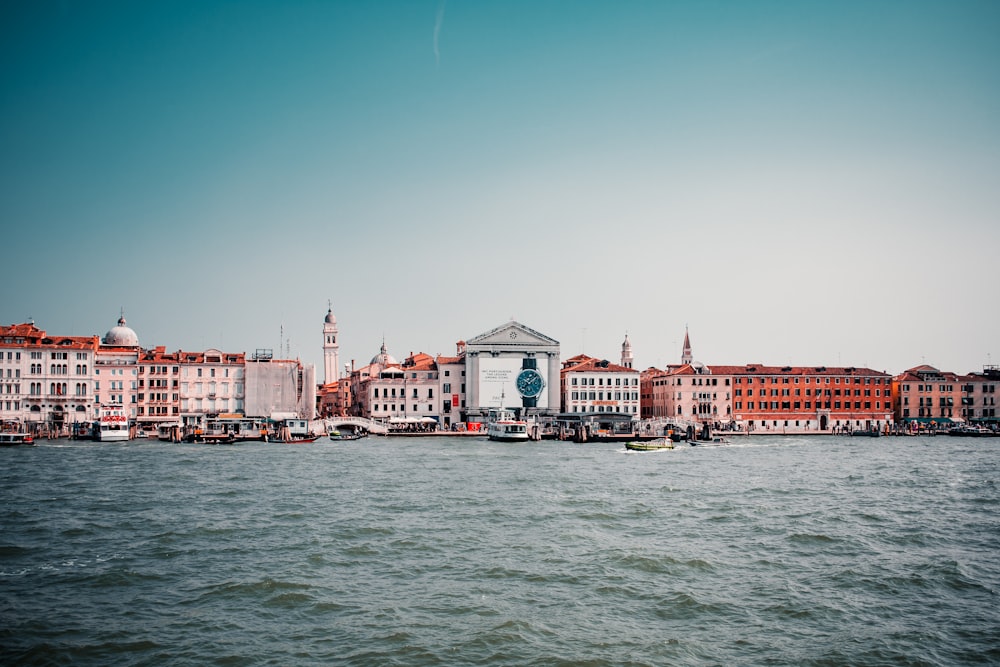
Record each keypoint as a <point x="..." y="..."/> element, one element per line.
<point x="930" y="420"/>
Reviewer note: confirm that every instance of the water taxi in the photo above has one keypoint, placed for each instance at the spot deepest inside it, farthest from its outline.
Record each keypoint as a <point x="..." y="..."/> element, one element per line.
<point x="12" y="438"/>
<point x="503" y="426"/>
<point x="111" y="425"/>
<point x="649" y="445"/>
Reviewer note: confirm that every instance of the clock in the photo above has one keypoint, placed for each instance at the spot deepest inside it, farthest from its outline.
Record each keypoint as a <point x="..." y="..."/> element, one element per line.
<point x="530" y="383"/>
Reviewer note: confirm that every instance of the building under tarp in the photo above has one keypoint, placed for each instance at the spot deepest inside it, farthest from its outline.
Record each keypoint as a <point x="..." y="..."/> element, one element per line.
<point x="280" y="386"/>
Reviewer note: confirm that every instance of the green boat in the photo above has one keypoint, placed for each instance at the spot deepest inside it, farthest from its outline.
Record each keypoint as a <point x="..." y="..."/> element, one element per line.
<point x="649" y="445"/>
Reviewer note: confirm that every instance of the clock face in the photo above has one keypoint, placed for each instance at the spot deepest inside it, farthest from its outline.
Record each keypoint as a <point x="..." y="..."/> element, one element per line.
<point x="530" y="383"/>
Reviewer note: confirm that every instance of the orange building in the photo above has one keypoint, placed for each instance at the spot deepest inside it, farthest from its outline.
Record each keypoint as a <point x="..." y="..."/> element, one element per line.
<point x="804" y="399"/>
<point x="770" y="399"/>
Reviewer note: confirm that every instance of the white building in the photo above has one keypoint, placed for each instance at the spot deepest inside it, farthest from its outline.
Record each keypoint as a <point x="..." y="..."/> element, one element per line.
<point x="504" y="362"/>
<point x="46" y="381"/>
<point x="210" y="383"/>
<point x="597" y="385"/>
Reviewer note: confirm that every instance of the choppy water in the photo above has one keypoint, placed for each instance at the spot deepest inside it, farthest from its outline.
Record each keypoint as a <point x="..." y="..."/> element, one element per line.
<point x="433" y="551"/>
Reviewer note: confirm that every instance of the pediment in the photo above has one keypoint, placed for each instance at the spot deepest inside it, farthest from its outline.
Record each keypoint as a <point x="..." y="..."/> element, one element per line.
<point x="514" y="334"/>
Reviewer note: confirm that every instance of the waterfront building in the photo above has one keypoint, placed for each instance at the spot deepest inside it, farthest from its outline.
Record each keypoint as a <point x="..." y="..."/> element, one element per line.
<point x="402" y="393"/>
<point x="653" y="391"/>
<point x="925" y="397"/>
<point x="46" y="381"/>
<point x="159" y="387"/>
<point x="451" y="373"/>
<point x="363" y="393"/>
<point x="771" y="399"/>
<point x="210" y="383"/>
<point x="787" y="399"/>
<point x="116" y="369"/>
<point x="333" y="399"/>
<point x="662" y="396"/>
<point x="696" y="392"/>
<point x="589" y="385"/>
<point x="279" y="387"/>
<point x="496" y="359"/>
<point x="979" y="401"/>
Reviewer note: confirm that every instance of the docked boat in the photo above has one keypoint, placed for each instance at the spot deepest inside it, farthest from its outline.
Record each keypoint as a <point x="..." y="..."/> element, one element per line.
<point x="211" y="438"/>
<point x="503" y="426"/>
<point x="169" y="431"/>
<point x="13" y="438"/>
<point x="649" y="445"/>
<point x="111" y="424"/>
<point x="292" y="430"/>
<point x="970" y="431"/>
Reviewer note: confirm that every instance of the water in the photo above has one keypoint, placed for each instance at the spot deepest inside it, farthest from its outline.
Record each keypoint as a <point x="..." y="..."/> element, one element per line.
<point x="434" y="551"/>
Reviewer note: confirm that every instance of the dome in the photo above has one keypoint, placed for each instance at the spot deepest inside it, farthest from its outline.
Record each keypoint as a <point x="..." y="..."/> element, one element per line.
<point x="384" y="358"/>
<point x="330" y="319"/>
<point x="121" y="335"/>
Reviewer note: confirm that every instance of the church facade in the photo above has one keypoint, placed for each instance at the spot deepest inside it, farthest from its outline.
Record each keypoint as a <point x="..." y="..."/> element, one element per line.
<point x="512" y="366"/>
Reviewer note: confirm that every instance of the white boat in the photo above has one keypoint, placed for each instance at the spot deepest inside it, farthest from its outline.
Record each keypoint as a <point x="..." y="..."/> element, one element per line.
<point x="111" y="424"/>
<point x="649" y="445"/>
<point x="15" y="437"/>
<point x="504" y="427"/>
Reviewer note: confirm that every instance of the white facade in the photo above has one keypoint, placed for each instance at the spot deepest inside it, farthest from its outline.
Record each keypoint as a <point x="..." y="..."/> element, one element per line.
<point x="211" y="382"/>
<point x="595" y="385"/>
<point x="451" y="378"/>
<point x="494" y="360"/>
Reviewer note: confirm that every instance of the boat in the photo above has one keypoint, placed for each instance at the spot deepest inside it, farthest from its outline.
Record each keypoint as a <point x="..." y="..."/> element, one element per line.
<point x="503" y="426"/>
<point x="292" y="430"/>
<point x="708" y="441"/>
<point x="198" y="435"/>
<point x="111" y="424"/>
<point x="338" y="436"/>
<point x="649" y="445"/>
<point x="970" y="431"/>
<point x="297" y="440"/>
<point x="14" y="437"/>
<point x="169" y="431"/>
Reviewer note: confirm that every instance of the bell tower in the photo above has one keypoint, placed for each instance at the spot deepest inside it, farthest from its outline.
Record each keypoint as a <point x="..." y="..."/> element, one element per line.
<point x="686" y="357"/>
<point x="627" y="358"/>
<point x="331" y="348"/>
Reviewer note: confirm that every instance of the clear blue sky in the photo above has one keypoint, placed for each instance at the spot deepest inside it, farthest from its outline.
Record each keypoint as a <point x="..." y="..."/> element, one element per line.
<point x="798" y="182"/>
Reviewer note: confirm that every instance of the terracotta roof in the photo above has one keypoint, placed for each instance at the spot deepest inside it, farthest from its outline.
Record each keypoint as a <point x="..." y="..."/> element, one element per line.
<point x="590" y="365"/>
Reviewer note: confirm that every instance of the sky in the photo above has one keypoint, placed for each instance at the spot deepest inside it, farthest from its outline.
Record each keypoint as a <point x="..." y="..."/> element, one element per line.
<point x="795" y="183"/>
